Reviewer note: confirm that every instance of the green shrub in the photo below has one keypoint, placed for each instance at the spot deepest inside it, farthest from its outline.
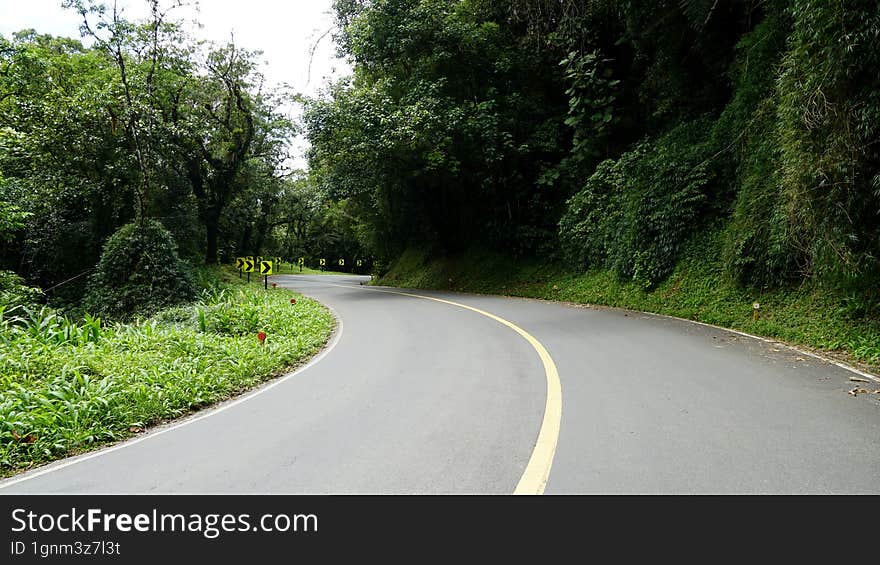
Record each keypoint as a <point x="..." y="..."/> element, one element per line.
<point x="139" y="273"/>
<point x="634" y="214"/>
<point x="14" y="293"/>
<point x="584" y="228"/>
<point x="829" y="118"/>
<point x="804" y="124"/>
<point x="760" y="247"/>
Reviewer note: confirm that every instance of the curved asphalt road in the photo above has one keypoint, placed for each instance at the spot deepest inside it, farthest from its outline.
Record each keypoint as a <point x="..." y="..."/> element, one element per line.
<point x="418" y="396"/>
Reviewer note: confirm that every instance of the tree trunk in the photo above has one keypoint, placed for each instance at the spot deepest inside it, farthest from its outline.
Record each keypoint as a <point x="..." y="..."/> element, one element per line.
<point x="261" y="228"/>
<point x="245" y="247"/>
<point x="212" y="230"/>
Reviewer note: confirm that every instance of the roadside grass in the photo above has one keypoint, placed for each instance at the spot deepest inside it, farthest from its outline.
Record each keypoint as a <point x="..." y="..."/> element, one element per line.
<point x="67" y="386"/>
<point x="806" y="316"/>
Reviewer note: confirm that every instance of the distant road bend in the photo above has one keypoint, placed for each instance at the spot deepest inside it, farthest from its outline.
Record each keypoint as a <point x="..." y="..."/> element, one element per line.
<point x="453" y="394"/>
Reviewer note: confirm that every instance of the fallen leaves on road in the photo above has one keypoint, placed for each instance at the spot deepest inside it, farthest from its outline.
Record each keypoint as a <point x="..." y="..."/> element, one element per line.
<point x="859" y="380"/>
<point x="857" y="391"/>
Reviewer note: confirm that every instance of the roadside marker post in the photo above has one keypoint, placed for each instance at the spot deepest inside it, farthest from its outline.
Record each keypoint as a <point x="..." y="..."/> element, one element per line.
<point x="322" y="263"/>
<point x="249" y="266"/>
<point x="266" y="270"/>
<point x="301" y="261"/>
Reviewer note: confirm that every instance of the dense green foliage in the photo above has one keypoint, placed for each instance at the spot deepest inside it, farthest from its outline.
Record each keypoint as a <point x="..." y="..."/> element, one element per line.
<point x="634" y="214"/>
<point x="440" y="135"/>
<point x="139" y="271"/>
<point x="14" y="294"/>
<point x="607" y="133"/>
<point x="128" y="161"/>
<point x="138" y="121"/>
<point x="67" y="386"/>
<point x="613" y="134"/>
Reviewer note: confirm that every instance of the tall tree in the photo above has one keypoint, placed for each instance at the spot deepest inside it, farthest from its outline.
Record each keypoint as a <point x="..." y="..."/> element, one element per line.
<point x="138" y="52"/>
<point x="234" y="125"/>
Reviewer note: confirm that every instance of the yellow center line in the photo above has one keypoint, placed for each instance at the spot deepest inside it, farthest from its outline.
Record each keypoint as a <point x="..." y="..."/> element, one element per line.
<point x="537" y="471"/>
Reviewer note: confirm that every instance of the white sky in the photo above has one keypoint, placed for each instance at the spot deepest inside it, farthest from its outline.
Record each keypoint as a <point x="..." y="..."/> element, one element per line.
<point x="284" y="30"/>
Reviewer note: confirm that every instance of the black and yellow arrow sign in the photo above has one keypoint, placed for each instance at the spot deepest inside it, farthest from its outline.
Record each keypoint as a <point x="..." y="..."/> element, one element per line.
<point x="265" y="267"/>
<point x="322" y="262"/>
<point x="248" y="265"/>
<point x="301" y="260"/>
<point x="342" y="262"/>
<point x="239" y="262"/>
<point x="360" y="263"/>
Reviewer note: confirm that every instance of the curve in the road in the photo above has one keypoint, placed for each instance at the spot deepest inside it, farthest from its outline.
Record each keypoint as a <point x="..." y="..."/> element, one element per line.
<point x="537" y="473"/>
<point x="396" y="410"/>
<point x="421" y="397"/>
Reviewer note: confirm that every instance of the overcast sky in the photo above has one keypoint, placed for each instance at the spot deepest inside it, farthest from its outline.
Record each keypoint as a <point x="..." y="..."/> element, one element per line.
<point x="284" y="30"/>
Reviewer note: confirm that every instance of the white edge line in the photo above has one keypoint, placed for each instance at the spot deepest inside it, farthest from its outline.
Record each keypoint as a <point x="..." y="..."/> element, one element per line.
<point x="57" y="466"/>
<point x="771" y="341"/>
<point x="592" y="306"/>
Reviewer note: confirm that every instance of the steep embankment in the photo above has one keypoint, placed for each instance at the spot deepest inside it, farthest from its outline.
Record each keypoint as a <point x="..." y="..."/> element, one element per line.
<point x="807" y="316"/>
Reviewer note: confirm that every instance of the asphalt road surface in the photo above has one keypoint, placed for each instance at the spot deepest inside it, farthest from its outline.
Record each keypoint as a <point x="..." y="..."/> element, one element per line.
<point x="437" y="396"/>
